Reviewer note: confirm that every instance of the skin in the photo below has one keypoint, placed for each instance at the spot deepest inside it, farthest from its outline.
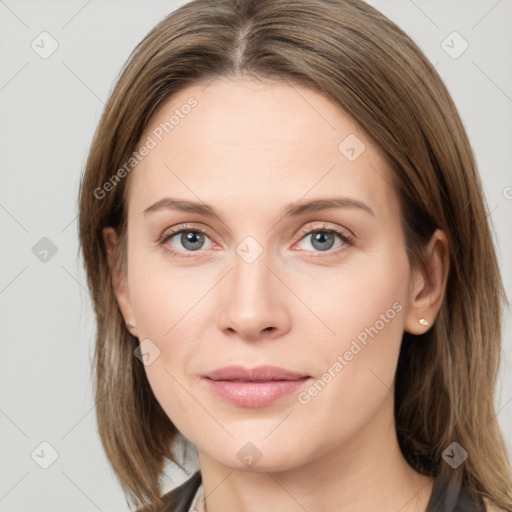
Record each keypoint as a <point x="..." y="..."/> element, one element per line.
<point x="249" y="148"/>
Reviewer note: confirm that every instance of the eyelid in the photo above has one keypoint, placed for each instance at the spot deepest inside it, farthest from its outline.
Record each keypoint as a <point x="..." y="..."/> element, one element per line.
<point x="343" y="232"/>
<point x="346" y="236"/>
<point x="171" y="232"/>
<point x="183" y="227"/>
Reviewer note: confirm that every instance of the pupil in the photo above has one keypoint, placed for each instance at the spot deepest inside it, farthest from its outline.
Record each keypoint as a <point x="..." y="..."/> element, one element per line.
<point x="320" y="237"/>
<point x="192" y="240"/>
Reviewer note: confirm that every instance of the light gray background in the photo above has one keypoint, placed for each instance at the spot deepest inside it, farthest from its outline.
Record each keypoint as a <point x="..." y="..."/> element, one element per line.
<point x="49" y="109"/>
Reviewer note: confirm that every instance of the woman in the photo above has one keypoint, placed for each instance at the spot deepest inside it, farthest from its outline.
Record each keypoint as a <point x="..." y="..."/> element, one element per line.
<point x="286" y="243"/>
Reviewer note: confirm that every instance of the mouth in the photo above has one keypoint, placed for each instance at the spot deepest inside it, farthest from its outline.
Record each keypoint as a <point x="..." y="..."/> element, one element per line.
<point x="258" y="374"/>
<point x="255" y="387"/>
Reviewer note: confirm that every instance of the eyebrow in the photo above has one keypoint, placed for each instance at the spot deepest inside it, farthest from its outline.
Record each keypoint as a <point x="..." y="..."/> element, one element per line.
<point x="290" y="210"/>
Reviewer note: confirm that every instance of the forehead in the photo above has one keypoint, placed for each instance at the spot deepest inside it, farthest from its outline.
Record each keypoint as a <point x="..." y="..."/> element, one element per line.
<point x="244" y="141"/>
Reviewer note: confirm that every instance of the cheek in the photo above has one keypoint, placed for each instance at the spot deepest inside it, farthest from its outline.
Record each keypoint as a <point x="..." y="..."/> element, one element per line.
<point x="364" y="306"/>
<point x="365" y="292"/>
<point x="164" y="295"/>
<point x="172" y="327"/>
<point x="356" y="369"/>
<point x="170" y="307"/>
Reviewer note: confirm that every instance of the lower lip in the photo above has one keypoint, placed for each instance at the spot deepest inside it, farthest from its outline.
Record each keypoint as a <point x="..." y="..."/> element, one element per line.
<point x="254" y="394"/>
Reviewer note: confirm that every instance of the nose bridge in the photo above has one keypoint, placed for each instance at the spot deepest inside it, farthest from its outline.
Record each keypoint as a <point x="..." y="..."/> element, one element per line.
<point x="253" y="304"/>
<point x="251" y="279"/>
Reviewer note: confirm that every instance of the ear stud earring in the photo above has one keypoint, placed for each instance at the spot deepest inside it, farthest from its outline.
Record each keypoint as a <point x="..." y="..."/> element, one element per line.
<point x="130" y="325"/>
<point x="422" y="321"/>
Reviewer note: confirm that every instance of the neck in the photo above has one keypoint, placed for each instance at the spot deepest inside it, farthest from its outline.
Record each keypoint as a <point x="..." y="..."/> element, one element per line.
<point x="366" y="472"/>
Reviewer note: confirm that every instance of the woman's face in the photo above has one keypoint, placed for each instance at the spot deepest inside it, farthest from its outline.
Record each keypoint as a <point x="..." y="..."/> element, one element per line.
<point x="319" y="291"/>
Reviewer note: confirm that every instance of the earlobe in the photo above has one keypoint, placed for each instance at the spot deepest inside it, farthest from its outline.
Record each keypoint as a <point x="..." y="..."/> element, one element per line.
<point x="428" y="286"/>
<point x="118" y="281"/>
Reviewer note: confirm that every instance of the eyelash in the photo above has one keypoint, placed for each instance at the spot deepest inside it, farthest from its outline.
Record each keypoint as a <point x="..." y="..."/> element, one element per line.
<point x="348" y="240"/>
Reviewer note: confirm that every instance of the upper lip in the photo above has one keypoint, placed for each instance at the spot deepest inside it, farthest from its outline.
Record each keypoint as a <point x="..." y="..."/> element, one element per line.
<point x="258" y="374"/>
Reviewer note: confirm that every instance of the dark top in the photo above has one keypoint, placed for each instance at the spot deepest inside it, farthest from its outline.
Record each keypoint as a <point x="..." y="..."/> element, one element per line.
<point x="180" y="498"/>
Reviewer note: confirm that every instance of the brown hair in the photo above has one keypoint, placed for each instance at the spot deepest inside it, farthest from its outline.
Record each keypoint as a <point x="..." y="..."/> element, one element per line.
<point x="353" y="54"/>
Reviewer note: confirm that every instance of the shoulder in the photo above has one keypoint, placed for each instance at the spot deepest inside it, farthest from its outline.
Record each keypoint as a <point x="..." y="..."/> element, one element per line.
<point x="180" y="498"/>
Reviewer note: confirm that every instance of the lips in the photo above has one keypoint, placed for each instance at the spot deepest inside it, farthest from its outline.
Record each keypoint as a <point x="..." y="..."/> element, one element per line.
<point x="258" y="374"/>
<point x="256" y="387"/>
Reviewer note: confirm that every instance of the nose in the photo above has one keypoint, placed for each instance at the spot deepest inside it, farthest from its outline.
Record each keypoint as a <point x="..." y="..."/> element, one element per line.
<point x="253" y="305"/>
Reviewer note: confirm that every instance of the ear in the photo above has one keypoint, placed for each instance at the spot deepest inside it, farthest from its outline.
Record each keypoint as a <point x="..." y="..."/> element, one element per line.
<point x="428" y="285"/>
<point x="118" y="280"/>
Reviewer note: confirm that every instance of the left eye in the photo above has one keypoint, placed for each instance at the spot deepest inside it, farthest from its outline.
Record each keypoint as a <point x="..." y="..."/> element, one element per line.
<point x="324" y="240"/>
<point x="190" y="240"/>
